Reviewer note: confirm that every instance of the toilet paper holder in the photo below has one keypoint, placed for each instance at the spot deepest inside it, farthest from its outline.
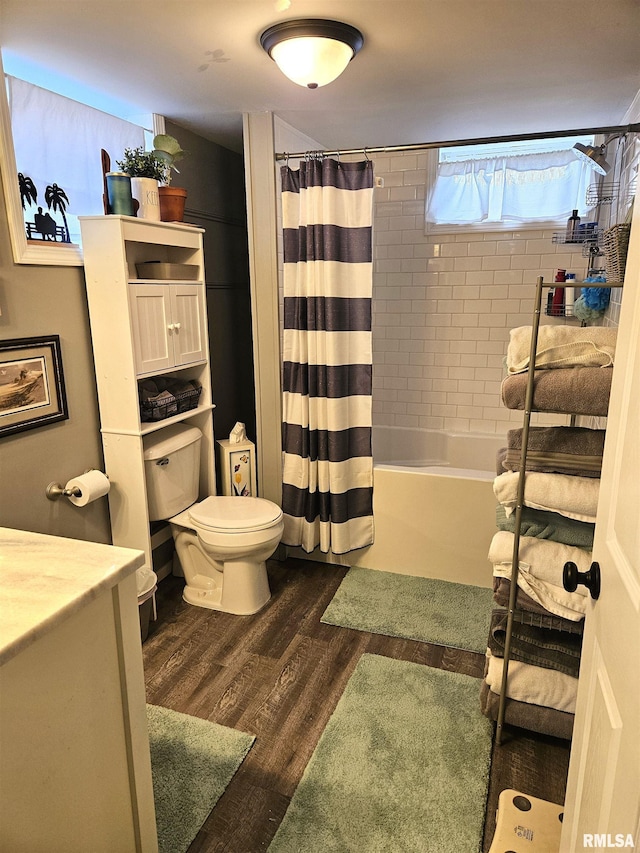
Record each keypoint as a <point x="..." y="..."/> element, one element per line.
<point x="54" y="490"/>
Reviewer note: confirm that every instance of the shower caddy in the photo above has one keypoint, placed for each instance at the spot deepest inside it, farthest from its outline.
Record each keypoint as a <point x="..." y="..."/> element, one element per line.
<point x="512" y="614"/>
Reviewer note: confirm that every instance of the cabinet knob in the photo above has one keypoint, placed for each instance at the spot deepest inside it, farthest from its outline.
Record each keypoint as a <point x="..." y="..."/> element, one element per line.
<point x="572" y="578"/>
<point x="176" y="326"/>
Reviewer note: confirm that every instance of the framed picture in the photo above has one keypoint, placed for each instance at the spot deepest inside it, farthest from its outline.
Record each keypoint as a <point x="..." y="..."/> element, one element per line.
<point x="32" y="390"/>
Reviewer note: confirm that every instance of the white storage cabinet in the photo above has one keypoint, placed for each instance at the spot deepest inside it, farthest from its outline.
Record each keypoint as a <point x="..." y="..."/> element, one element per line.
<point x="168" y="325"/>
<point x="142" y="328"/>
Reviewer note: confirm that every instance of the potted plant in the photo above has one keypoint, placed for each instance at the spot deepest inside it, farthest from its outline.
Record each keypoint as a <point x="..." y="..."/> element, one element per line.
<point x="172" y="199"/>
<point x="146" y="170"/>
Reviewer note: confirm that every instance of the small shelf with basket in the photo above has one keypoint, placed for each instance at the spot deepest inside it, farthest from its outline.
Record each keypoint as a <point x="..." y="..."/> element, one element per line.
<point x="162" y="397"/>
<point x="587" y="234"/>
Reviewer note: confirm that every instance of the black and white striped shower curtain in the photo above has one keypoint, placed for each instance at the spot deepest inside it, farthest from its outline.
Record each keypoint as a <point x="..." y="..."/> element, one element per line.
<point x="327" y="497"/>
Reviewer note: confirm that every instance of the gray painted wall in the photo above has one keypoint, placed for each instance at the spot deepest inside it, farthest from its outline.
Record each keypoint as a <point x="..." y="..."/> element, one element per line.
<point x="214" y="179"/>
<point x="38" y="300"/>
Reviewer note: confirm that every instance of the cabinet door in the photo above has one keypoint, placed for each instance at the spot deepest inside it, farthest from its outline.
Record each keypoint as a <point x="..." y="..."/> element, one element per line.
<point x="150" y="321"/>
<point x="187" y="327"/>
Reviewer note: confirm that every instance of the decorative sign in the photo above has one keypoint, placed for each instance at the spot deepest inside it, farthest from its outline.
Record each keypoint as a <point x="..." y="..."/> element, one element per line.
<point x="44" y="226"/>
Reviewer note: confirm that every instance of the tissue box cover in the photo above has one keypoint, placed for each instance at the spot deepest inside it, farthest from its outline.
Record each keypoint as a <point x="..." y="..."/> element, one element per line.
<point x="237" y="465"/>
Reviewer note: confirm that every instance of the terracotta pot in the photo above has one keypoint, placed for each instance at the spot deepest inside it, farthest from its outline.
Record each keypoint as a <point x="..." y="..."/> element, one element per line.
<point x="172" y="201"/>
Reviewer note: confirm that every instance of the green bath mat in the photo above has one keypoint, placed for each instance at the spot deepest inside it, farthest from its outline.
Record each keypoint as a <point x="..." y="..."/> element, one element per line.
<point x="402" y="767"/>
<point x="433" y="611"/>
<point x="192" y="762"/>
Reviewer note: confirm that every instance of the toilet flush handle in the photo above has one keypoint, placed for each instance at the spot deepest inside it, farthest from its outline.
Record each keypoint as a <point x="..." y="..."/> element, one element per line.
<point x="163" y="461"/>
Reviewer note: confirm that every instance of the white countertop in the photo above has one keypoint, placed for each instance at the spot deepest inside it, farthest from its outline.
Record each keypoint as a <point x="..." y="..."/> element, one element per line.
<point x="44" y="579"/>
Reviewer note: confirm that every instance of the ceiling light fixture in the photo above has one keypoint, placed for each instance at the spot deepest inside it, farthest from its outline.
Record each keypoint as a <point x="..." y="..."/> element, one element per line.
<point x="594" y="156"/>
<point x="311" y="51"/>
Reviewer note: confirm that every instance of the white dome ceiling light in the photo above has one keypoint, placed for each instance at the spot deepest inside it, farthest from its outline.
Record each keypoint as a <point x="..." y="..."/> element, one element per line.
<point x="311" y="51"/>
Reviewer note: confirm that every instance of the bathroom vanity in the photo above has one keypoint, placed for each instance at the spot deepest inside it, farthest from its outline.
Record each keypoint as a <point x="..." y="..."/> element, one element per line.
<point x="75" y="771"/>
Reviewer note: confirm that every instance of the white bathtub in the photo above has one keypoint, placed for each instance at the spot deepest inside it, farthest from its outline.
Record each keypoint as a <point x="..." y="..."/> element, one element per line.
<point x="433" y="503"/>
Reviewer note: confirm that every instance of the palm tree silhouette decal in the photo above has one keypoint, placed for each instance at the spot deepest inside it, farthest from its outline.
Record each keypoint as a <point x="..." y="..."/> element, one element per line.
<point x="28" y="191"/>
<point x="56" y="199"/>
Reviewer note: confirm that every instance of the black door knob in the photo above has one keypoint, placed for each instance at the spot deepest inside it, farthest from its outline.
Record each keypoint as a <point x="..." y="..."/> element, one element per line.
<point x="572" y="578"/>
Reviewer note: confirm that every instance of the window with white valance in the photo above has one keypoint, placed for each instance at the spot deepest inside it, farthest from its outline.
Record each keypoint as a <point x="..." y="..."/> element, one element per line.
<point x="506" y="186"/>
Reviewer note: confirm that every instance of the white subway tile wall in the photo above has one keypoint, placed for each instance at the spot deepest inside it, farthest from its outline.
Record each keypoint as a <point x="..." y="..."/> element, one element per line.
<point x="443" y="306"/>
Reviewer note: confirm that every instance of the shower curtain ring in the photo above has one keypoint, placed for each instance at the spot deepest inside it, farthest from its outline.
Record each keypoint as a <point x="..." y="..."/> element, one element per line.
<point x="366" y="156"/>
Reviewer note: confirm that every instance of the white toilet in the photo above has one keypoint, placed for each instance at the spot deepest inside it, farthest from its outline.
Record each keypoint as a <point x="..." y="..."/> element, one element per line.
<point x="221" y="542"/>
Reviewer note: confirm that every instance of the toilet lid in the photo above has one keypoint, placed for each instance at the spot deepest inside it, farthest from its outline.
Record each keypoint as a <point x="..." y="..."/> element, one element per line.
<point x="235" y="514"/>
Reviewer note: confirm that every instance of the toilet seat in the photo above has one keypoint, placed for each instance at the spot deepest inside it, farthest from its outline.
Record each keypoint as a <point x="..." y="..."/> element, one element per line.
<point x="234" y="514"/>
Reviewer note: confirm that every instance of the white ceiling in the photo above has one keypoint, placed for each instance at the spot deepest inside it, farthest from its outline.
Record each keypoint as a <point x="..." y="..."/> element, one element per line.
<point x="430" y="70"/>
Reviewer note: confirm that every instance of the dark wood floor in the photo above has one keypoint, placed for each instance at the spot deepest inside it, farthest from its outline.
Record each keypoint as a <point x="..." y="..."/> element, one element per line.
<point x="278" y="675"/>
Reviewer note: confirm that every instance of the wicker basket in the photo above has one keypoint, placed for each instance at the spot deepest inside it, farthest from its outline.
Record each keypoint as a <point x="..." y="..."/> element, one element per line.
<point x="616" y="246"/>
<point x="172" y="403"/>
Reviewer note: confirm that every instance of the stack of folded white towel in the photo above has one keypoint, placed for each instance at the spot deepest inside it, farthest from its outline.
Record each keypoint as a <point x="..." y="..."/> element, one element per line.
<point x="545" y="686"/>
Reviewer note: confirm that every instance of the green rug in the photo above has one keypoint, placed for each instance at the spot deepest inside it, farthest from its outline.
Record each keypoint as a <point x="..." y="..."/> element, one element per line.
<point x="192" y="762"/>
<point x="402" y="767"/>
<point x="433" y="611"/>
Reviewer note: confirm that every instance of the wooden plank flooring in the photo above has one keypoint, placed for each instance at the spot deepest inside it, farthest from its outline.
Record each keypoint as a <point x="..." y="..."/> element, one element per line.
<point x="279" y="675"/>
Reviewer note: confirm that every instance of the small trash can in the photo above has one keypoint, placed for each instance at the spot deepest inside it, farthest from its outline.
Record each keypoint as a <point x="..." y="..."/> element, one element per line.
<point x="147" y="583"/>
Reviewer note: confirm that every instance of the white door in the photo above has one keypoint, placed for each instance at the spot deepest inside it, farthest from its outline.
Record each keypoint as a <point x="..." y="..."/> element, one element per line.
<point x="188" y="323"/>
<point x="150" y="327"/>
<point x="603" y="789"/>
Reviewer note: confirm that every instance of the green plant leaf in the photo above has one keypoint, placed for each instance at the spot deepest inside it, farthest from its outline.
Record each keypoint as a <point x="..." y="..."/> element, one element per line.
<point x="165" y="144"/>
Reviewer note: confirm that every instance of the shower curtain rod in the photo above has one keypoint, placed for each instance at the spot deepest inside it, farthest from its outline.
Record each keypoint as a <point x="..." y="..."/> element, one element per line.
<point x="486" y="140"/>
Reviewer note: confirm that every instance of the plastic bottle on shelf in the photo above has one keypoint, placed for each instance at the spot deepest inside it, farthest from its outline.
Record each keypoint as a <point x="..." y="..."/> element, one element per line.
<point x="573" y="223"/>
<point x="549" y="311"/>
<point x="557" y="305"/>
<point x="569" y="295"/>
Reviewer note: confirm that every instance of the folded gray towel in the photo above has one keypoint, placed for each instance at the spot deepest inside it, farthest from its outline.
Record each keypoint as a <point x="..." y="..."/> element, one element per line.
<point x="554" y="463"/>
<point x="574" y="390"/>
<point x="545" y="647"/>
<point x="549" y="463"/>
<point x="560" y="439"/>
<point x="539" y="615"/>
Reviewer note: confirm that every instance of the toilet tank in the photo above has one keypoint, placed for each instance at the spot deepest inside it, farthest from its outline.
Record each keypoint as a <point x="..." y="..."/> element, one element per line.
<point x="172" y="470"/>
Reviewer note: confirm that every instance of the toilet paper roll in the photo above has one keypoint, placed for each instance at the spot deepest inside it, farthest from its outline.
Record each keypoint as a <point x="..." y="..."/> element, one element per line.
<point x="92" y="485"/>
